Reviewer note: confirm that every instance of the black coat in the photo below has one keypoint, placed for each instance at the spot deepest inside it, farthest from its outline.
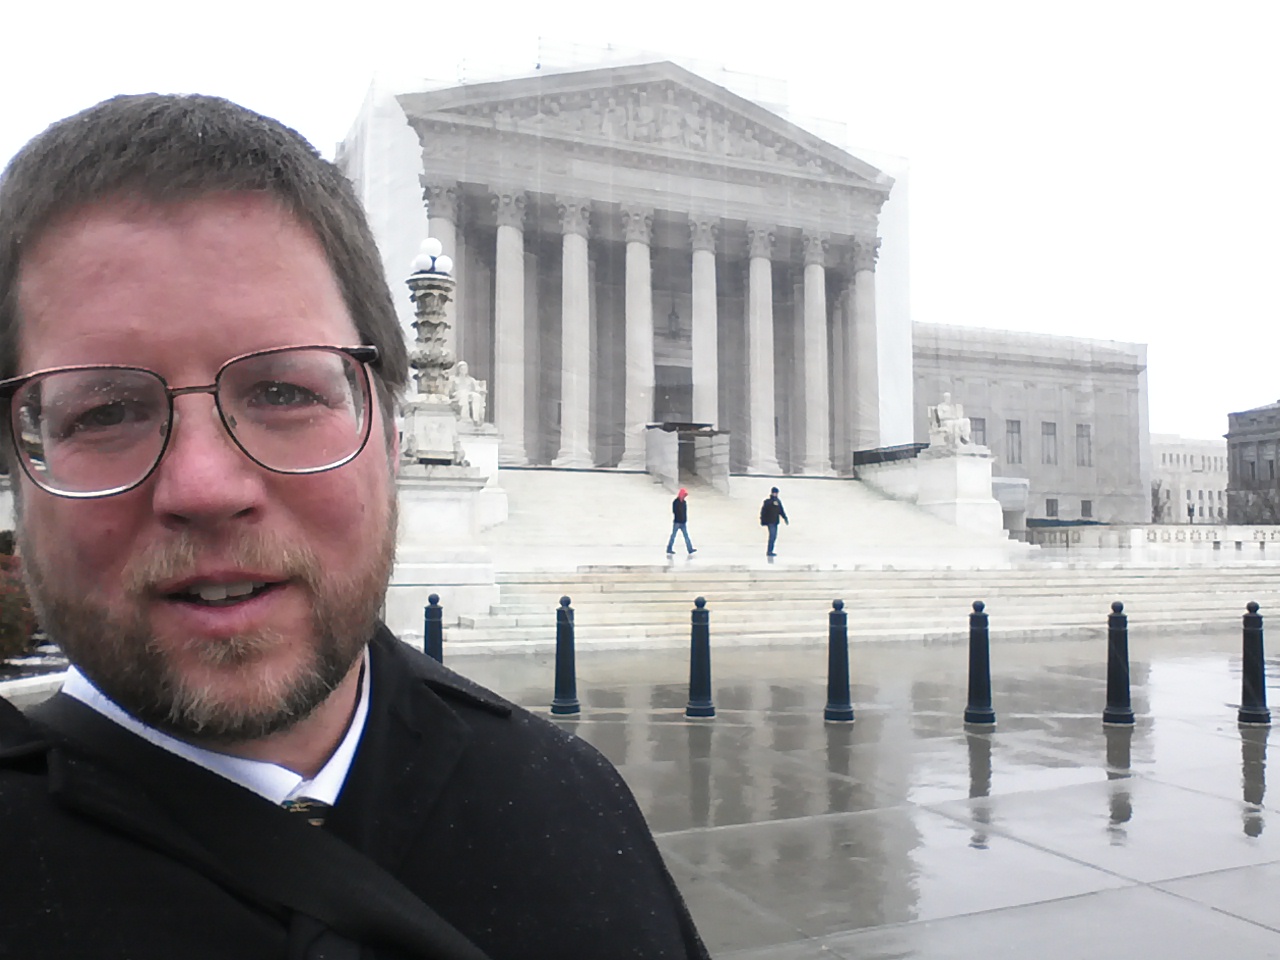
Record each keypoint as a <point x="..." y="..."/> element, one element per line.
<point x="680" y="510"/>
<point x="519" y="836"/>
<point x="771" y="511"/>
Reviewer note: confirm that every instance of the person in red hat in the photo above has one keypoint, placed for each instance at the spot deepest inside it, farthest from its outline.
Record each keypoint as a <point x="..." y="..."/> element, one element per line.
<point x="680" y="522"/>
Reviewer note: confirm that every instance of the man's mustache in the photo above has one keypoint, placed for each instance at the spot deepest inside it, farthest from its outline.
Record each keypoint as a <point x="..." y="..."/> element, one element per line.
<point x="187" y="555"/>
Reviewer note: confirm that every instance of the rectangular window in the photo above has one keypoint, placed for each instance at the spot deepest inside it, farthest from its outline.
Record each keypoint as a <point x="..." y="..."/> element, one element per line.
<point x="1084" y="445"/>
<point x="1048" y="442"/>
<point x="1086" y="509"/>
<point x="1013" y="441"/>
<point x="978" y="430"/>
<point x="1271" y="469"/>
<point x="1051" y="507"/>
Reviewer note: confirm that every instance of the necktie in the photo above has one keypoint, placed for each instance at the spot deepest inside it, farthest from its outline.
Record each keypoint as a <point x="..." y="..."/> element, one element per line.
<point x="313" y="810"/>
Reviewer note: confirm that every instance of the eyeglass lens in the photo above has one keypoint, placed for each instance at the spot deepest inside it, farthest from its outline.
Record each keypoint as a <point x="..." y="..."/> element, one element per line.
<point x="103" y="430"/>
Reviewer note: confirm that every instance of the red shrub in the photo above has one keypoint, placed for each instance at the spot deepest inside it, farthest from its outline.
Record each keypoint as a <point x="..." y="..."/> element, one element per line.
<point x="17" y="619"/>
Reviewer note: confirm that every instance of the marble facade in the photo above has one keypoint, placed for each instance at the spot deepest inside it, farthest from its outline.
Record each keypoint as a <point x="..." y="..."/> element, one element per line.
<point x="638" y="244"/>
<point x="1067" y="415"/>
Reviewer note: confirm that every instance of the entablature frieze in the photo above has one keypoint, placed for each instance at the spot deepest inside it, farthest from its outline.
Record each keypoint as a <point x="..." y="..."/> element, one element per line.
<point x="668" y="114"/>
<point x="478" y="155"/>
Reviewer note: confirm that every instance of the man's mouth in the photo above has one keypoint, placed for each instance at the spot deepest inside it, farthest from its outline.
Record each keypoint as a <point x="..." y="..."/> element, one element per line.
<point x="221" y="594"/>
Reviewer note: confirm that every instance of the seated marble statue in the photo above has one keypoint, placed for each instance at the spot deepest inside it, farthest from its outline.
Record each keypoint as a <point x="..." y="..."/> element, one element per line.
<point x="468" y="394"/>
<point x="948" y="426"/>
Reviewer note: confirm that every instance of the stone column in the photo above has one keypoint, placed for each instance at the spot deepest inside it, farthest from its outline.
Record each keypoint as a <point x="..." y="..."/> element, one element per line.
<point x="764" y="457"/>
<point x="866" y="377"/>
<point x="706" y="377"/>
<point x="817" y="420"/>
<point x="637" y="226"/>
<point x="575" y="337"/>
<point x="508" y="323"/>
<point x="839" y="387"/>
<point x="442" y="223"/>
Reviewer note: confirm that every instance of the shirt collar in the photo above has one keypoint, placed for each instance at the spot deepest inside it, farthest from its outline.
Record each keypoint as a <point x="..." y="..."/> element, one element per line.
<point x="268" y="780"/>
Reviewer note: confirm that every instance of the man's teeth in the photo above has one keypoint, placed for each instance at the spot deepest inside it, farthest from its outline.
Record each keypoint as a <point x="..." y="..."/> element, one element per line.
<point x="214" y="592"/>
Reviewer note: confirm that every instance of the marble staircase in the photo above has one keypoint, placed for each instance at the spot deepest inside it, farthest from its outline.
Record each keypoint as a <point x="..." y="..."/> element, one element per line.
<point x="903" y="575"/>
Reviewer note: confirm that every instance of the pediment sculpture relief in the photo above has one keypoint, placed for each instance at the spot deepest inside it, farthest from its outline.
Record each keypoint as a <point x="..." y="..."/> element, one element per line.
<point x="661" y="114"/>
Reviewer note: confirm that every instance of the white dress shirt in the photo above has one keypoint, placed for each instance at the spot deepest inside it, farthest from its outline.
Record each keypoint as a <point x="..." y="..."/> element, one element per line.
<point x="268" y="780"/>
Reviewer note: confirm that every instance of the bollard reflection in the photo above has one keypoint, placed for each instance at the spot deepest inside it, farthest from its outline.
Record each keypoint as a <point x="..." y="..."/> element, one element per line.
<point x="1119" y="770"/>
<point x="699" y="742"/>
<point x="979" y="745"/>
<point x="1253" y="770"/>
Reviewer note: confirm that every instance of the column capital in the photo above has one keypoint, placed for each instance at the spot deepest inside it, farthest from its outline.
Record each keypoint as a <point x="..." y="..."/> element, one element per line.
<point x="703" y="232"/>
<point x="760" y="240"/>
<point x="575" y="216"/>
<point x="441" y="198"/>
<point x="865" y="252"/>
<point x="509" y="208"/>
<point x="637" y="224"/>
<point x="815" y="249"/>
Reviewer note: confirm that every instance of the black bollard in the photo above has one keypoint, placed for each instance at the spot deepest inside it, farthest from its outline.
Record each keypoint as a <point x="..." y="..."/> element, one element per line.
<point x="1253" y="684"/>
<point x="979" y="708"/>
<point x="566" y="698"/>
<point x="839" y="706"/>
<point x="700" y="704"/>
<point x="1118" y="709"/>
<point x="433" y="629"/>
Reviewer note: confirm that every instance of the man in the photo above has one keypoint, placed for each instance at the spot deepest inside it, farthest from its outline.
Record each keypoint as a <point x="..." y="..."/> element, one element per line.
<point x="201" y="362"/>
<point x="680" y="522"/>
<point x="770" y="512"/>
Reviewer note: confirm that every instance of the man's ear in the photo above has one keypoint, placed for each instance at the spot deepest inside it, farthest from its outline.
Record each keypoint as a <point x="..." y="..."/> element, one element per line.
<point x="394" y="439"/>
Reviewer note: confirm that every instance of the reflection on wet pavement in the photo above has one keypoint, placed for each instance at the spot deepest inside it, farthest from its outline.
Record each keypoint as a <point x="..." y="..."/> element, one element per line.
<point x="906" y="835"/>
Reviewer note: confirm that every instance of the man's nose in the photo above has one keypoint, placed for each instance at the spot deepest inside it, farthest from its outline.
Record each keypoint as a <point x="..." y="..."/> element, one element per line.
<point x="204" y="477"/>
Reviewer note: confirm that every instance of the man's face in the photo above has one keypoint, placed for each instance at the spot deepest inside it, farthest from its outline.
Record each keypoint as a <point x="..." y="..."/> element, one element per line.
<point x="181" y="289"/>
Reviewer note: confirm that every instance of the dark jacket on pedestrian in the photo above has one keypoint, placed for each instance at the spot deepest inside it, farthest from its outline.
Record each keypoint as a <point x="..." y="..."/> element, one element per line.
<point x="771" y="511"/>
<point x="680" y="510"/>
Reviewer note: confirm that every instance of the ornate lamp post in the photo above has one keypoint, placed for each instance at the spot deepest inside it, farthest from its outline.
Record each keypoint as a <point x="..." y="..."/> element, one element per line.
<point x="430" y="423"/>
<point x="431" y="288"/>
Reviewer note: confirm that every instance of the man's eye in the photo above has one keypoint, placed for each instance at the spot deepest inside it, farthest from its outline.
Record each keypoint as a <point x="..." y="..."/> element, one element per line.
<point x="113" y="416"/>
<point x="280" y="394"/>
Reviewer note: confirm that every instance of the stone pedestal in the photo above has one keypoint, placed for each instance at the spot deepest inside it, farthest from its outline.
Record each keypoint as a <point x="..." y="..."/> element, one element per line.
<point x="956" y="487"/>
<point x="481" y="448"/>
<point x="430" y="431"/>
<point x="437" y="549"/>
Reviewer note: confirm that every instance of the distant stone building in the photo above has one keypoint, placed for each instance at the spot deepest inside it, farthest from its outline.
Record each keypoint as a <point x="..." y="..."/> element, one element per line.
<point x="1253" y="446"/>
<point x="1189" y="479"/>
<point x="638" y="244"/>
<point x="1067" y="414"/>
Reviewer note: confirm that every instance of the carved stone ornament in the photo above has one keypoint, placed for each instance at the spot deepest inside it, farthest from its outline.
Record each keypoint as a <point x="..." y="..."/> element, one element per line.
<point x="575" y="217"/>
<point x="429" y="356"/>
<point x="759" y="241"/>
<point x="661" y="114"/>
<point x="703" y="233"/>
<point x="865" y="252"/>
<point x="637" y="224"/>
<point x="441" y="199"/>
<point x="815" y="249"/>
<point x="509" y="209"/>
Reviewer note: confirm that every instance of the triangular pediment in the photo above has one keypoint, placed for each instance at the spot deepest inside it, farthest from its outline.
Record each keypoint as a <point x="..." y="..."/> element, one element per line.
<point x="656" y="108"/>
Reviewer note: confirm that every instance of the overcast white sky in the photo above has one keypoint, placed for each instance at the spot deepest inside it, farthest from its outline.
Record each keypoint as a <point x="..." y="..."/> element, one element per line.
<point x="1098" y="169"/>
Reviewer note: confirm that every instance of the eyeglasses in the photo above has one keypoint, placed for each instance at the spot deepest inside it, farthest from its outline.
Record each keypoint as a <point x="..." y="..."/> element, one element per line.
<point x="95" y="431"/>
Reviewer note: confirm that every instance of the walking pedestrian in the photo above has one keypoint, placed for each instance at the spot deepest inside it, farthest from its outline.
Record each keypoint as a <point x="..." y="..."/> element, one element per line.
<point x="680" y="522"/>
<point x="771" y="511"/>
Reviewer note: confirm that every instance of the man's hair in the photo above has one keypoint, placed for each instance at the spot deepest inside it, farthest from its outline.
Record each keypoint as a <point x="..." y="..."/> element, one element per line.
<point x="168" y="148"/>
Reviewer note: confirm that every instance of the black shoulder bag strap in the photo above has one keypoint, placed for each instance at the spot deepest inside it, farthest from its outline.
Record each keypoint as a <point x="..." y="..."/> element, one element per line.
<point x="248" y="844"/>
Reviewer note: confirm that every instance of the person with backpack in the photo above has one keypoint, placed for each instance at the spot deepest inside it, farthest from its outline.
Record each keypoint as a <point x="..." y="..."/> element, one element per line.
<point x="771" y="511"/>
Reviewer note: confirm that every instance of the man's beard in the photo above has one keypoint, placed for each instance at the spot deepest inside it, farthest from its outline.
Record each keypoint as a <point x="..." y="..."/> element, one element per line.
<point x="118" y="654"/>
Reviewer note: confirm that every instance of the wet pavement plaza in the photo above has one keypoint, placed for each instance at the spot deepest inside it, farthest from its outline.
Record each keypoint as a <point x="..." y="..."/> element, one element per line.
<point x="905" y="835"/>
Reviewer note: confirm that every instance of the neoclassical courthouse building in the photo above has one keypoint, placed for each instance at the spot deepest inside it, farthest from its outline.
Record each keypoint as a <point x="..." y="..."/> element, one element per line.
<point x="637" y="244"/>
